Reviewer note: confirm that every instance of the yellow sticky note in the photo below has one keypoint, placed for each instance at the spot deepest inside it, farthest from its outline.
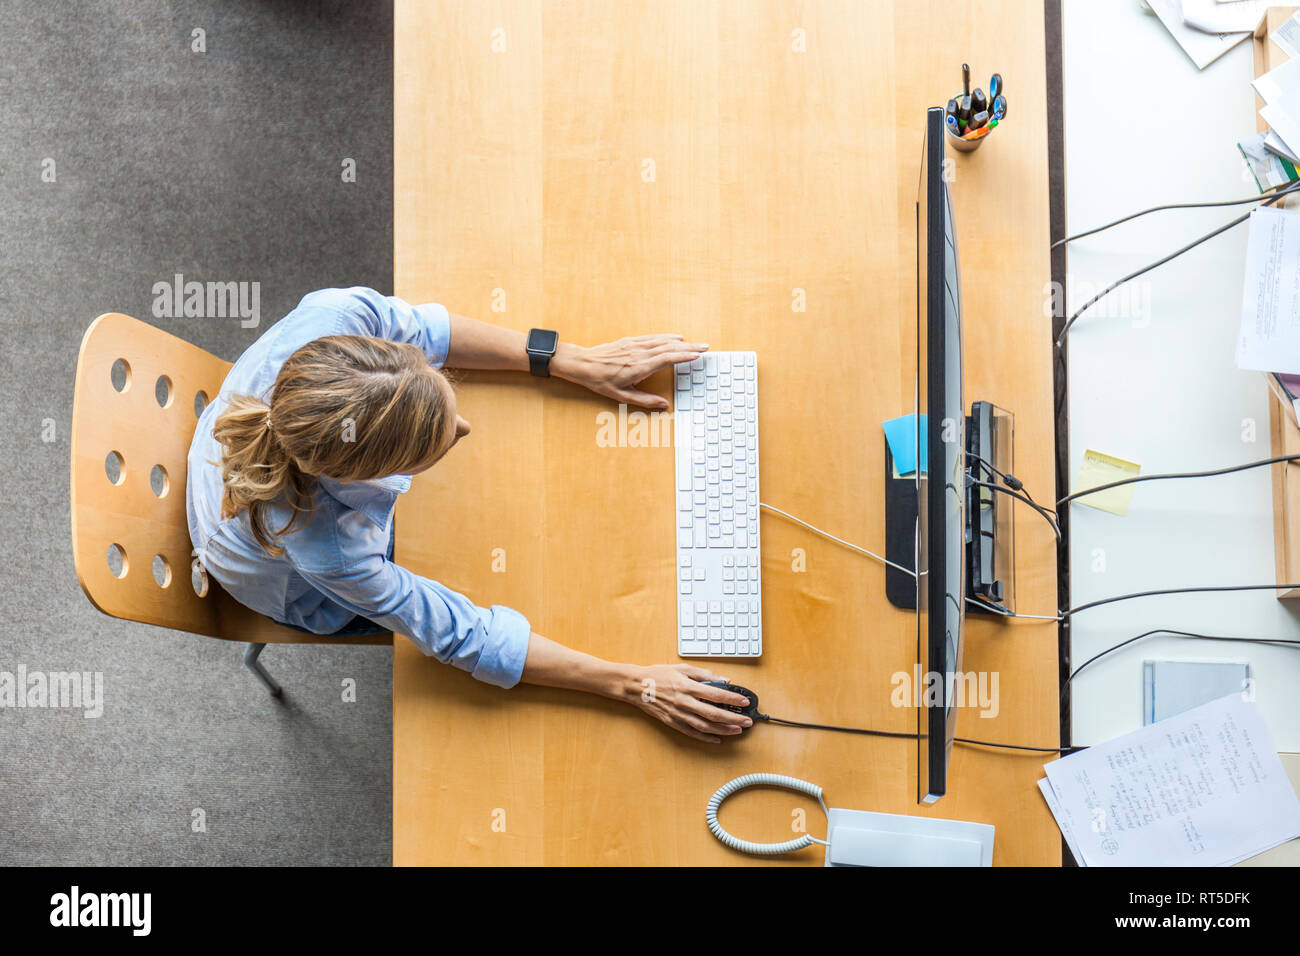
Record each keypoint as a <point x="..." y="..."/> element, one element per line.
<point x="1098" y="469"/>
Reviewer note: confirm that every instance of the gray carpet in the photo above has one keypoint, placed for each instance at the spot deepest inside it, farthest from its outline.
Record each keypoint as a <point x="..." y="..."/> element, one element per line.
<point x="223" y="166"/>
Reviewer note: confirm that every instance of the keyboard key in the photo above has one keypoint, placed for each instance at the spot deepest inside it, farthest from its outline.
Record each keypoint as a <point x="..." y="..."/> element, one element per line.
<point x="715" y="455"/>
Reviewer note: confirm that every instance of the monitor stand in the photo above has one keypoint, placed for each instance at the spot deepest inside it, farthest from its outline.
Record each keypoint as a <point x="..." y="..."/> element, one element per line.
<point x="990" y="529"/>
<point x="900" y="535"/>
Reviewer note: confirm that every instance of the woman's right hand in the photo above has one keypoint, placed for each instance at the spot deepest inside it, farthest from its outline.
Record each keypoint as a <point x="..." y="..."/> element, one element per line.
<point x="674" y="695"/>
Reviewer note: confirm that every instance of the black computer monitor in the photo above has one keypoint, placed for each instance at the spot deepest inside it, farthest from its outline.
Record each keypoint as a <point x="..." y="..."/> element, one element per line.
<point x="941" y="488"/>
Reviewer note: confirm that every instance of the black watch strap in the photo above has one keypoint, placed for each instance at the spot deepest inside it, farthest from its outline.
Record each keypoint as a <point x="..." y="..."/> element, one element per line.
<point x="541" y="346"/>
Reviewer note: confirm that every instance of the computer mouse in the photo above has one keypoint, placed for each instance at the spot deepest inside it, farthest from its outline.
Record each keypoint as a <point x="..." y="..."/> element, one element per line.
<point x="751" y="711"/>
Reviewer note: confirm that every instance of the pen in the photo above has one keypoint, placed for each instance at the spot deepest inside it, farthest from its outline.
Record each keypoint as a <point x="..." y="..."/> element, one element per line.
<point x="976" y="133"/>
<point x="953" y="126"/>
<point x="965" y="79"/>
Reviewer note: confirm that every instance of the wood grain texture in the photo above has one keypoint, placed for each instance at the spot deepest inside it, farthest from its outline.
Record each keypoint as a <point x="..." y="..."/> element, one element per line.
<point x="130" y="514"/>
<point x="777" y="174"/>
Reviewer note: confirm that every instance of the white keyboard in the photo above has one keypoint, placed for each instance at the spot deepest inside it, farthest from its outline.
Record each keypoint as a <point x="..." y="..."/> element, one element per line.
<point x="718" y="558"/>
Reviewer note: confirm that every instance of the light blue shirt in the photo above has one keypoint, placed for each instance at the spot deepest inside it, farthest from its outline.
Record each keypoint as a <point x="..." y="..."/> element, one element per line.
<point x="336" y="565"/>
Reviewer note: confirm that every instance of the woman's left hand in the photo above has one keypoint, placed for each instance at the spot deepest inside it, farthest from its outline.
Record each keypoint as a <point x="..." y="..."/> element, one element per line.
<point x="616" y="369"/>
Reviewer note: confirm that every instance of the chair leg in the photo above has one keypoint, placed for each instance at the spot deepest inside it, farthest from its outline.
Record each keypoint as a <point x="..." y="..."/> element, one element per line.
<point x="251" y="655"/>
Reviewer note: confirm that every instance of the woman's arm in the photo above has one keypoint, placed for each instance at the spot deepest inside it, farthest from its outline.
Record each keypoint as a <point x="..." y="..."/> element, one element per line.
<point x="613" y="370"/>
<point x="671" y="693"/>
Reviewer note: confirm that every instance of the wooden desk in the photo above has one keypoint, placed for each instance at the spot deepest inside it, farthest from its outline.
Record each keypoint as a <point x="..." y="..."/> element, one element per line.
<point x="525" y="139"/>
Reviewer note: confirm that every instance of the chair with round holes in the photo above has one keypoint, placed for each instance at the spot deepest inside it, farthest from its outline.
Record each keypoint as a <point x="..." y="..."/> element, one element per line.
<point x="139" y="392"/>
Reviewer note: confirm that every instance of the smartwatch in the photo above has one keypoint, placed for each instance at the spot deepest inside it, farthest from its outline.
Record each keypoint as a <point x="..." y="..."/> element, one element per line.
<point x="540" y="348"/>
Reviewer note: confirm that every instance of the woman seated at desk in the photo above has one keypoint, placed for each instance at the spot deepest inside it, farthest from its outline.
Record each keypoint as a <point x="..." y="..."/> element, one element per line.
<point x="295" y="469"/>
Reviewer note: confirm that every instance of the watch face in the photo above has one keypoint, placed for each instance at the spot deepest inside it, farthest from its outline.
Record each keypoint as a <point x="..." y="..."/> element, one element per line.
<point x="542" y="340"/>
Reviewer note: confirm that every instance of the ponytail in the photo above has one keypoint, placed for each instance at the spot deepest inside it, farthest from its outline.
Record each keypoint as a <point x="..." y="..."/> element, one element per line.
<point x="255" y="469"/>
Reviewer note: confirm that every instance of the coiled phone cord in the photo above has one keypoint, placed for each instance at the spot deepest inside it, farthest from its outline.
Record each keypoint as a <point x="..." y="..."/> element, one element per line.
<point x="762" y="780"/>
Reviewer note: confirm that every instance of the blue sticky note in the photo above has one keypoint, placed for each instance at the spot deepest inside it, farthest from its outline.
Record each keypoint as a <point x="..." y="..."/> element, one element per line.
<point x="901" y="435"/>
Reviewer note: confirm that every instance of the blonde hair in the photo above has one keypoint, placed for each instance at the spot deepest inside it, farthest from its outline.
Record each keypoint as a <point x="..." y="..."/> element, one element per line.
<point x="348" y="407"/>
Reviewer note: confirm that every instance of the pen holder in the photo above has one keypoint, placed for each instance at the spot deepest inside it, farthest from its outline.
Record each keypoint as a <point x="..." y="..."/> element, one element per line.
<point x="965" y="145"/>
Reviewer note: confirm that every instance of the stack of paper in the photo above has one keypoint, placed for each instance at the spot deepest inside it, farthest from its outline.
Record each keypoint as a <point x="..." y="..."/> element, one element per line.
<point x="1204" y="788"/>
<point x="1280" y="90"/>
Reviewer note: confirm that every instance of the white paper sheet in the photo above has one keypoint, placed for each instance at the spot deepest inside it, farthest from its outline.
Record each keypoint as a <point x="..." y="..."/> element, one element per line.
<point x="1281" y="86"/>
<point x="1268" y="339"/>
<point x="1287" y="36"/>
<point x="1204" y="788"/>
<point x="1203" y="48"/>
<point x="1214" y="17"/>
<point x="1275" y="144"/>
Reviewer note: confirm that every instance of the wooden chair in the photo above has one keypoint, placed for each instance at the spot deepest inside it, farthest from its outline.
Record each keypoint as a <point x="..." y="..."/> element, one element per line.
<point x="139" y="392"/>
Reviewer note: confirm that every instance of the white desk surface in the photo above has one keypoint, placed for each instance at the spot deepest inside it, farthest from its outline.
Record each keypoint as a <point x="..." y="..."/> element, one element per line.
<point x="1158" y="384"/>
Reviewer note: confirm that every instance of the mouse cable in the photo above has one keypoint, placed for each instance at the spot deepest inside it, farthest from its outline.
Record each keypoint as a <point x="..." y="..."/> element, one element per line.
<point x="1186" y="474"/>
<point x="1145" y="212"/>
<point x="1277" y="641"/>
<point x="893" y="733"/>
<point x="848" y="544"/>
<point x="1065" y="329"/>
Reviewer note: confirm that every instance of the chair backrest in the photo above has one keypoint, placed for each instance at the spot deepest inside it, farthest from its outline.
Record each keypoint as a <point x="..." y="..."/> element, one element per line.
<point x="139" y="392"/>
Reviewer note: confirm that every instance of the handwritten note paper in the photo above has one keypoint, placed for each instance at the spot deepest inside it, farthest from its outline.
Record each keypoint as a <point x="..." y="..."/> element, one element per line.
<point x="1098" y="469"/>
<point x="1204" y="788"/>
<point x="1268" y="339"/>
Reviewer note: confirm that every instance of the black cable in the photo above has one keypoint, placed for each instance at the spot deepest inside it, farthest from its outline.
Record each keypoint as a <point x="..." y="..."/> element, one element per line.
<point x="1065" y="329"/>
<point x="1138" y="594"/>
<point x="1144" y="212"/>
<point x="891" y="733"/>
<point x="847" y="730"/>
<point x="1047" y="515"/>
<point x="1187" y="474"/>
<point x="1173" y="633"/>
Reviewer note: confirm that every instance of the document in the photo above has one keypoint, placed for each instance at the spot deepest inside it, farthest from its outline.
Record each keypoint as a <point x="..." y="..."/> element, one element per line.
<point x="1281" y="87"/>
<point x="1215" y="17"/>
<point x="1268" y="339"/>
<point x="1287" y="36"/>
<point x="1203" y="48"/>
<point x="1274" y="144"/>
<point x="1204" y="788"/>
<point x="1282" y="121"/>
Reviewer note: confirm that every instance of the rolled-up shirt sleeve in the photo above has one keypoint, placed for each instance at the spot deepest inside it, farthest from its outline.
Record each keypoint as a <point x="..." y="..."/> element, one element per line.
<point x="490" y="643"/>
<point x="367" y="312"/>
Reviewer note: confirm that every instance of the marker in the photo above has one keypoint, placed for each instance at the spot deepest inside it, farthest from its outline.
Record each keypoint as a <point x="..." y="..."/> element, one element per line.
<point x="993" y="122"/>
<point x="978" y="101"/>
<point x="995" y="86"/>
<point x="965" y="79"/>
<point x="964" y="110"/>
<point x="979" y="119"/>
<point x="976" y="133"/>
<point x="953" y="126"/>
<point x="951" y="109"/>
